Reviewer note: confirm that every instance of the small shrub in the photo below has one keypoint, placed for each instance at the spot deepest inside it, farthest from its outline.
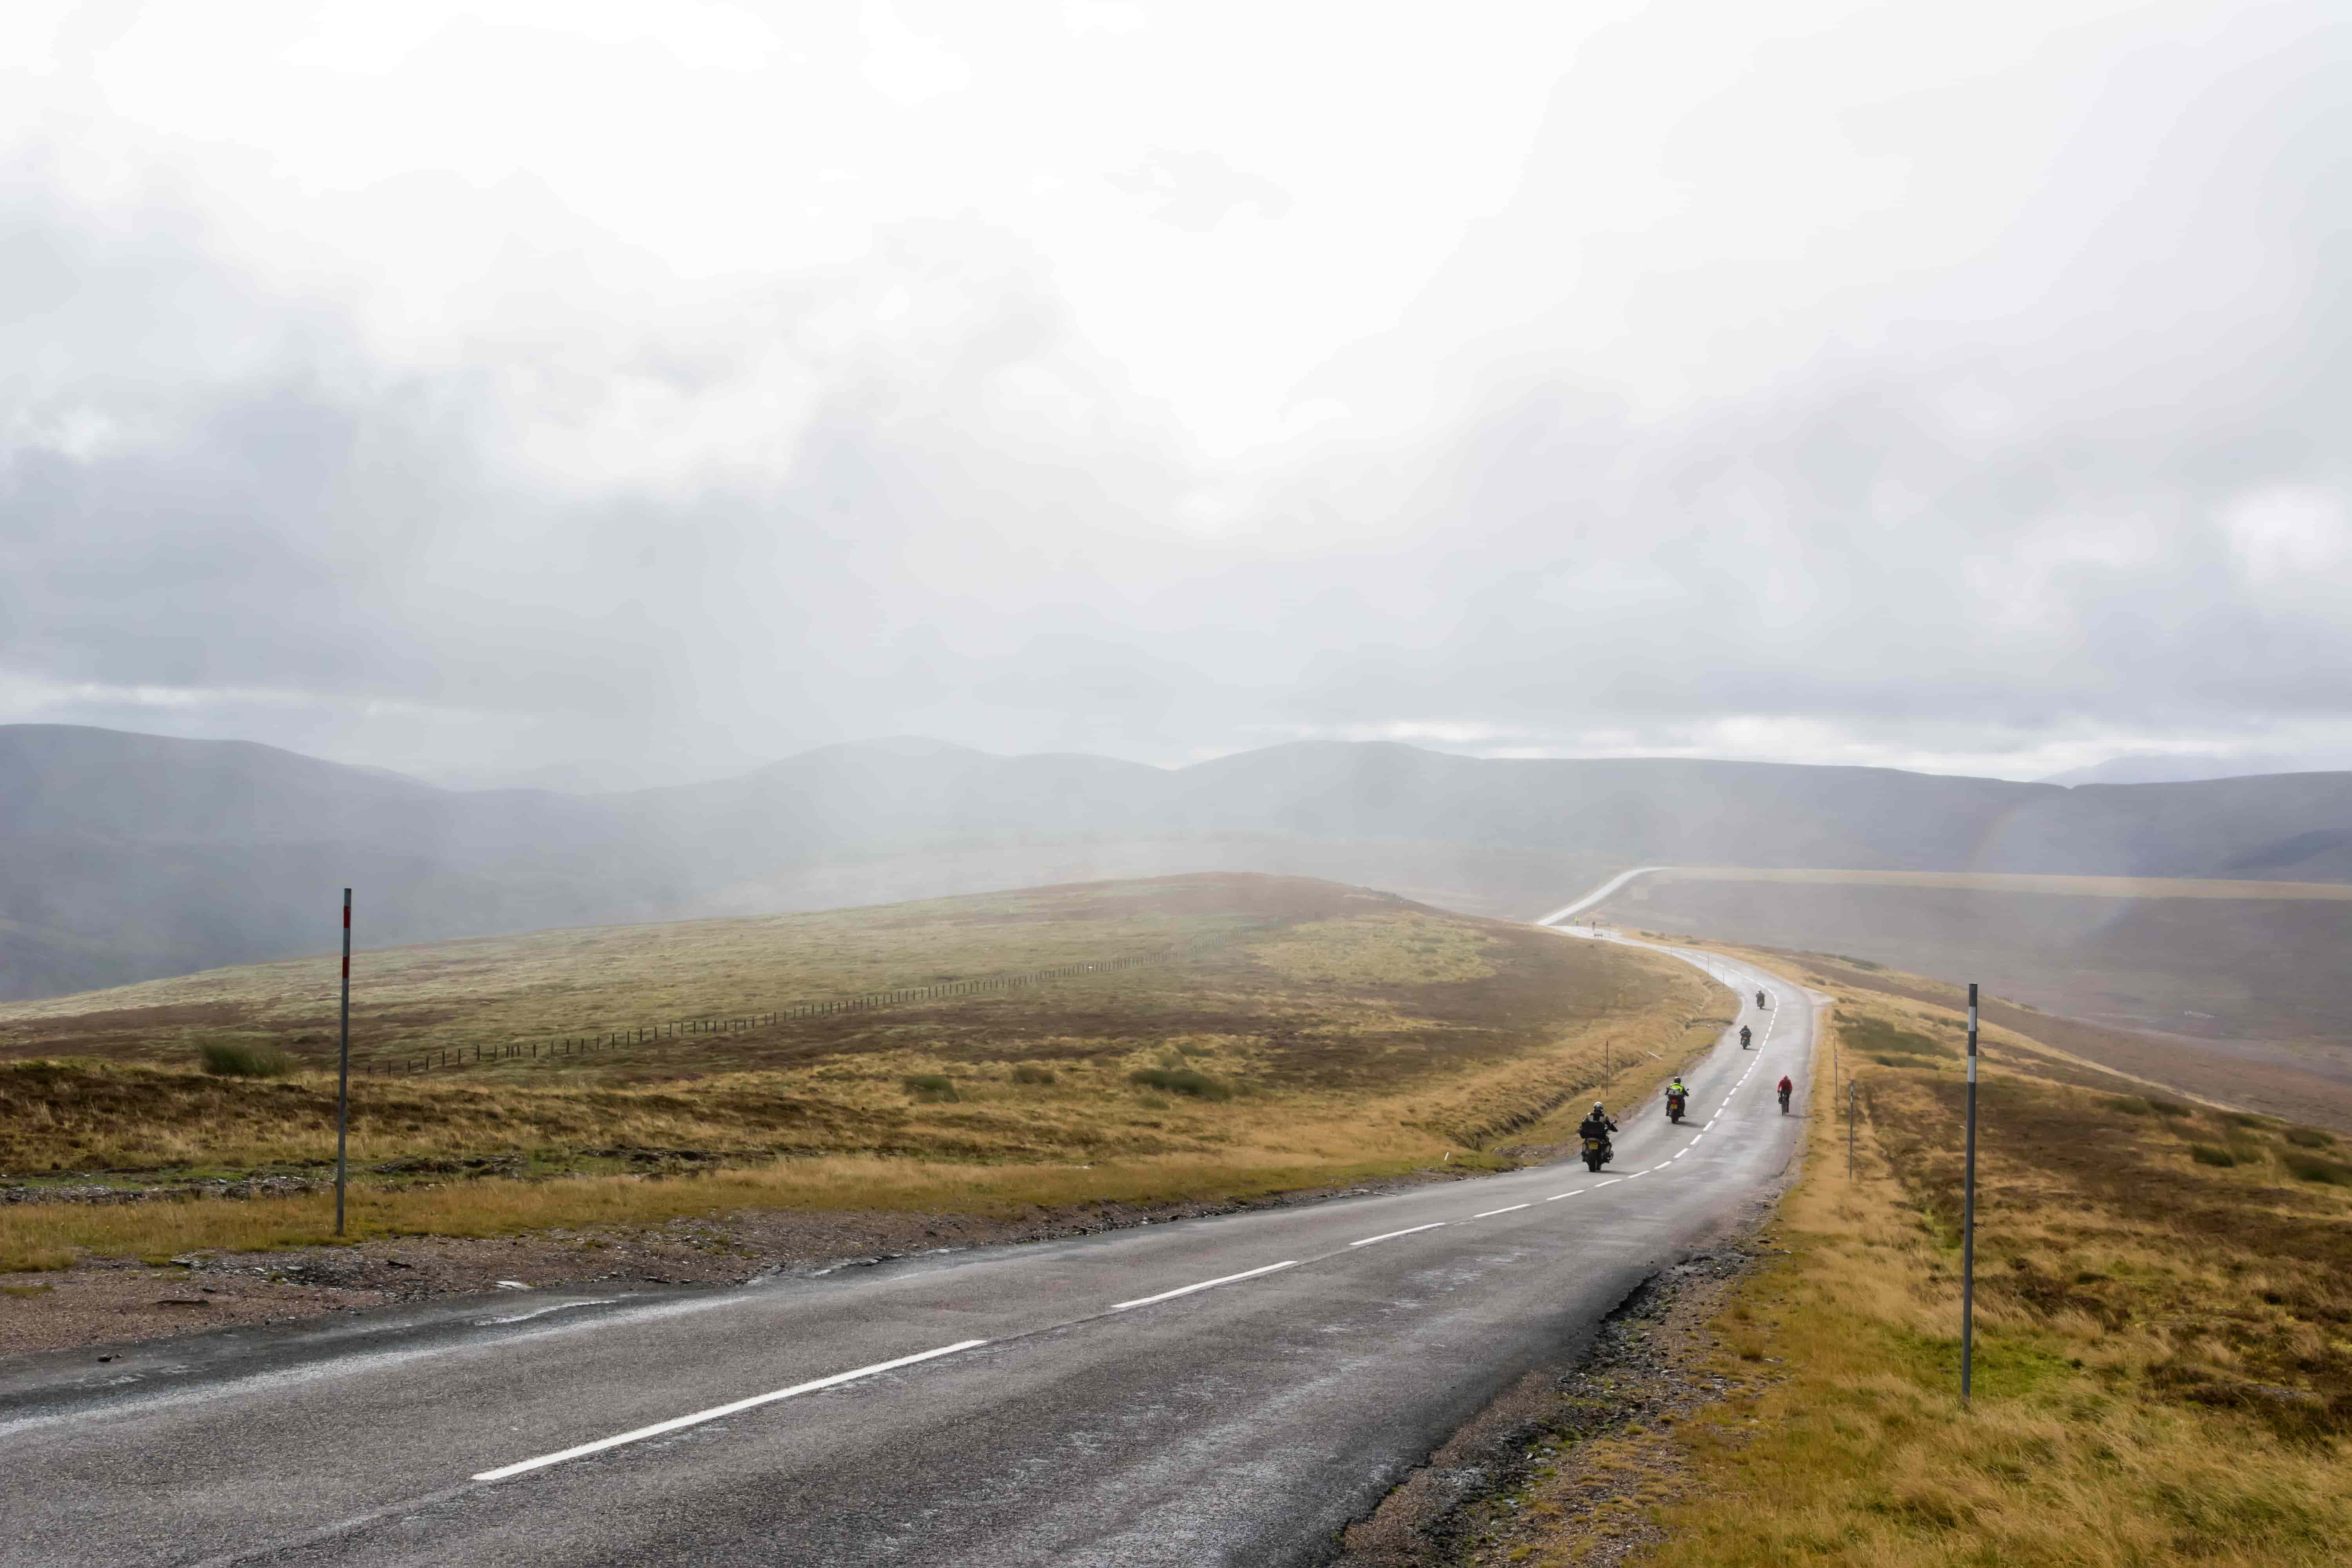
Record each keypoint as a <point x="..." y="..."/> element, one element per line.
<point x="238" y="1059"/>
<point x="2312" y="1168"/>
<point x="1182" y="1080"/>
<point x="2170" y="1108"/>
<point x="2129" y="1104"/>
<point x="2207" y="1155"/>
<point x="929" y="1085"/>
<point x="2309" y="1137"/>
<point x="1028" y="1072"/>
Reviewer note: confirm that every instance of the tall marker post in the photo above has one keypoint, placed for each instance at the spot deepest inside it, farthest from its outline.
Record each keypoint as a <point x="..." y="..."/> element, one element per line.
<point x="1968" y="1217"/>
<point x="1849" y="1129"/>
<point x="343" y="1073"/>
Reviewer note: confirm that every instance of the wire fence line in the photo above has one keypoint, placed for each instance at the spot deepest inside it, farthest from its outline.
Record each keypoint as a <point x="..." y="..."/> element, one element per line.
<point x="693" y="1028"/>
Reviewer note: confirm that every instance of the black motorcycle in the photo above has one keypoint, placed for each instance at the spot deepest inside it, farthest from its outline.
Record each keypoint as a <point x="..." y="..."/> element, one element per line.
<point x="1673" y="1108"/>
<point x="1784" y="1102"/>
<point x="1596" y="1153"/>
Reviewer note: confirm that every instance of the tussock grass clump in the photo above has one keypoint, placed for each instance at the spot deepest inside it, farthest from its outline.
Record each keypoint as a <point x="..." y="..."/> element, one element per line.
<point x="2212" y="1154"/>
<point x="244" y="1058"/>
<point x="930" y="1086"/>
<point x="2308" y="1137"/>
<point x="2131" y="1105"/>
<point x="1890" y="1044"/>
<point x="2171" y="1108"/>
<point x="1182" y="1080"/>
<point x="1029" y="1072"/>
<point x="2312" y="1168"/>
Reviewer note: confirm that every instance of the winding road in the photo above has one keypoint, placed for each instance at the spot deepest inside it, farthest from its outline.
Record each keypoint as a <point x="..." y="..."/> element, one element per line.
<point x="1230" y="1390"/>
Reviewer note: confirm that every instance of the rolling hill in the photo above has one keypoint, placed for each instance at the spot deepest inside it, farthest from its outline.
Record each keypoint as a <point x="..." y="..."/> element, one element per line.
<point x="128" y="856"/>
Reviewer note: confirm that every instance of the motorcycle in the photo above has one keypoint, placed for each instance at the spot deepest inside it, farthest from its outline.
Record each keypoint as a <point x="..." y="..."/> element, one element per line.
<point x="1784" y="1102"/>
<point x="1596" y="1153"/>
<point x="1761" y="1005"/>
<point x="1673" y="1108"/>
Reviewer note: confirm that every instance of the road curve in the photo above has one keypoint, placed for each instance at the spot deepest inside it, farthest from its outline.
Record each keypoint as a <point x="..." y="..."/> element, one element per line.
<point x="1599" y="895"/>
<point x="1230" y="1390"/>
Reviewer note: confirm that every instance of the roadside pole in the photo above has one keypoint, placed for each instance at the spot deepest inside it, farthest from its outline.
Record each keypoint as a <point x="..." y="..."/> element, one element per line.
<point x="1849" y="1129"/>
<point x="343" y="1073"/>
<point x="1968" y="1217"/>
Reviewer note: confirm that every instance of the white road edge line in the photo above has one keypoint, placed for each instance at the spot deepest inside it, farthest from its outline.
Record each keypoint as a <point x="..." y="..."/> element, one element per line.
<point x="1203" y="1285"/>
<point x="1392" y="1235"/>
<point x="717" y="1411"/>
<point x="1490" y="1213"/>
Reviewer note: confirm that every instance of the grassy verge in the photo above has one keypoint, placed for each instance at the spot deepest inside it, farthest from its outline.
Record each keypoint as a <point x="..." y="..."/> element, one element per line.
<point x="43" y="1235"/>
<point x="2164" y="1343"/>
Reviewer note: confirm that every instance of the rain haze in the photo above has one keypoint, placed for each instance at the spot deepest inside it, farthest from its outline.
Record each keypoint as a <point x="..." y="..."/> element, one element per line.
<point x="610" y="395"/>
<point x="903" y="783"/>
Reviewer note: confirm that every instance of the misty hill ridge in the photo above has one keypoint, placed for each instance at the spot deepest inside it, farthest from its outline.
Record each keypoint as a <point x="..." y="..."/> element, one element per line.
<point x="126" y="856"/>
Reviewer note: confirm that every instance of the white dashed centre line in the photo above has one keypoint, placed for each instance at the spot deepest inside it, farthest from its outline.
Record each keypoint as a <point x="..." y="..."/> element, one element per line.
<point x="1203" y="1285"/>
<point x="1492" y="1213"/>
<point x="719" y="1411"/>
<point x="1392" y="1235"/>
<point x="1557" y="1197"/>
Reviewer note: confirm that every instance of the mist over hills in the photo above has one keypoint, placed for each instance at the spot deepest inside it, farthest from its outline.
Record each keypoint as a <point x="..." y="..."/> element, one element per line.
<point x="128" y="856"/>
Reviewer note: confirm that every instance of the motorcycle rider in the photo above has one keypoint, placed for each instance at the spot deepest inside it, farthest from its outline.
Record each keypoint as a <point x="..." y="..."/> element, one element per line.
<point x="1597" y="1125"/>
<point x="1760" y="1002"/>
<point x="1675" y="1091"/>
<point x="1744" y="1037"/>
<point x="1786" y="1089"/>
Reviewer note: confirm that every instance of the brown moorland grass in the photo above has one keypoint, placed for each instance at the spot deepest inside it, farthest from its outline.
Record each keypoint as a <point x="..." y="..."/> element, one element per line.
<point x="2024" y="882"/>
<point x="2251" y="968"/>
<point x="2164" y="1369"/>
<point x="1318" y="1032"/>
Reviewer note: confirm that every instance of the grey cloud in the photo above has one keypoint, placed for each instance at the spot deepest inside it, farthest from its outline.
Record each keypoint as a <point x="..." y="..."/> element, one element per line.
<point x="1198" y="190"/>
<point x="1962" y="531"/>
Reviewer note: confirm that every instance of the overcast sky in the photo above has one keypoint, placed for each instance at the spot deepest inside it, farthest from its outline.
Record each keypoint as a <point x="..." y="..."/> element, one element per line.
<point x="616" y="392"/>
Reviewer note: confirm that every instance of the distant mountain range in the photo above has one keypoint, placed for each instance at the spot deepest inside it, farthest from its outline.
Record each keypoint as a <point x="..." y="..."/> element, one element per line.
<point x="2158" y="768"/>
<point x="127" y="856"/>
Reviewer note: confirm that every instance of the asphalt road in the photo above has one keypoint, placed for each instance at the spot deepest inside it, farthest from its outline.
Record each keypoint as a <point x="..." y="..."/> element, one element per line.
<point x="1057" y="1414"/>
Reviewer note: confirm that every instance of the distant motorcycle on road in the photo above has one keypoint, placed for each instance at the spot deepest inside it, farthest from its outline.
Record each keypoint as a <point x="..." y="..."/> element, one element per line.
<point x="1673" y="1108"/>
<point x="1761" y="1005"/>
<point x="1596" y="1153"/>
<point x="1745" y="1036"/>
<point x="1785" y="1087"/>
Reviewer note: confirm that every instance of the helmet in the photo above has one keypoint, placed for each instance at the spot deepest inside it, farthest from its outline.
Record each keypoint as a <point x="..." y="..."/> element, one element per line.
<point x="1596" y="1105"/>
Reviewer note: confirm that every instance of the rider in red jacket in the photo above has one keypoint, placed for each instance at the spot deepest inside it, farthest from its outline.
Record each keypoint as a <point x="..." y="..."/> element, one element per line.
<point x="1786" y="1089"/>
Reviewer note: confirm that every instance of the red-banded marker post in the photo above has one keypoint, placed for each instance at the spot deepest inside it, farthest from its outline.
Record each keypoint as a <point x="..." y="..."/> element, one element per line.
<point x="343" y="1073"/>
<point x="1968" y="1215"/>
